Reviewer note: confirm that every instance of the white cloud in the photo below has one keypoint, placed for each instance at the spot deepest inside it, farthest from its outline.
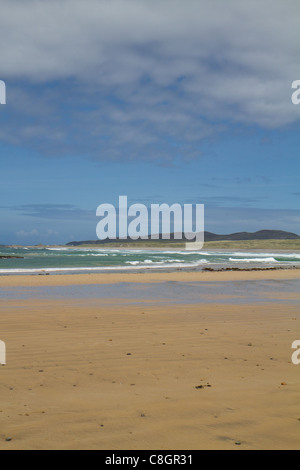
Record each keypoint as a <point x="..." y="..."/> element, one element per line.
<point x="173" y="66"/>
<point x="34" y="236"/>
<point x="24" y="234"/>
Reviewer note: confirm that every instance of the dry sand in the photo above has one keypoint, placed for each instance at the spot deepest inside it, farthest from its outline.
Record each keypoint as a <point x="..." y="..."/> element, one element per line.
<point x="90" y="375"/>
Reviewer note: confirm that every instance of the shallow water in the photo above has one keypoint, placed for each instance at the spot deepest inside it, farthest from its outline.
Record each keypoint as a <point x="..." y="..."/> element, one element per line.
<point x="172" y="292"/>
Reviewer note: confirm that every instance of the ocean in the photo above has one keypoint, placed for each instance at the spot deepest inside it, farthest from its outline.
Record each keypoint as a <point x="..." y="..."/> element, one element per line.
<point x="39" y="260"/>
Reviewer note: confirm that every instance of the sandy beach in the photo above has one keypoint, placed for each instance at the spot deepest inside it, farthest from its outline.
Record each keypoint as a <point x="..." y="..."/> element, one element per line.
<point x="150" y="227"/>
<point x="121" y="375"/>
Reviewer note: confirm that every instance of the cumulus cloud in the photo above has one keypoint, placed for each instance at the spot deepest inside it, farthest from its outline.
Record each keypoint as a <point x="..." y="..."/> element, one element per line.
<point x="145" y="78"/>
<point x="31" y="236"/>
<point x="23" y="233"/>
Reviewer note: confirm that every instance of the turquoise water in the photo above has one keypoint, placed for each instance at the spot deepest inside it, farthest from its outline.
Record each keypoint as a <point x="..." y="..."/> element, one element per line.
<point x="64" y="260"/>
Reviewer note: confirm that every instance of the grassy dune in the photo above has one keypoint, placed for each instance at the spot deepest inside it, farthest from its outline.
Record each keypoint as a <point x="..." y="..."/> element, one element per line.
<point x="255" y="245"/>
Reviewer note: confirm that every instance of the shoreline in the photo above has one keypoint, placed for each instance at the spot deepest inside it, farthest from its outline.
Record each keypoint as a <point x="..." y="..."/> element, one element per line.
<point x="79" y="261"/>
<point x="222" y="249"/>
<point x="146" y="276"/>
<point x="121" y="374"/>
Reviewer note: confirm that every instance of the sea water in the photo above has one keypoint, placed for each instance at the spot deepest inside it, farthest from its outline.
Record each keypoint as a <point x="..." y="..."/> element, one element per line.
<point x="30" y="260"/>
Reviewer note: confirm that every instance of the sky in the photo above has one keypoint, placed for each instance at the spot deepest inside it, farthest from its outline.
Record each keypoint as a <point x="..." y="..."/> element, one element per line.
<point x="164" y="101"/>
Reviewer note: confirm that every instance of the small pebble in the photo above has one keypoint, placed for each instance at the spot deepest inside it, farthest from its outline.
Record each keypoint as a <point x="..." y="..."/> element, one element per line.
<point x="203" y="386"/>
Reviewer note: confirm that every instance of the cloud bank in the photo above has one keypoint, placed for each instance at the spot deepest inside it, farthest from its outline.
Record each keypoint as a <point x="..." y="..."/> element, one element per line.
<point x="145" y="78"/>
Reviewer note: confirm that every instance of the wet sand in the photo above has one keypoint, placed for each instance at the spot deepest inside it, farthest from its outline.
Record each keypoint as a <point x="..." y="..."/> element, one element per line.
<point x="145" y="276"/>
<point x="110" y="374"/>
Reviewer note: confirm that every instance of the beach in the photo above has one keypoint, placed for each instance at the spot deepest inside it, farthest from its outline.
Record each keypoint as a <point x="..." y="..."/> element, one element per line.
<point x="150" y="373"/>
<point x="150" y="227"/>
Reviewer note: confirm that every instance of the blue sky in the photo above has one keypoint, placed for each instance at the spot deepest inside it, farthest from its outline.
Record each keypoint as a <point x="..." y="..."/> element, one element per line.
<point x="167" y="101"/>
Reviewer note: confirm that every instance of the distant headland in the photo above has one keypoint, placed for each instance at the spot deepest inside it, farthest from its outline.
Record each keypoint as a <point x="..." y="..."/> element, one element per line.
<point x="250" y="239"/>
